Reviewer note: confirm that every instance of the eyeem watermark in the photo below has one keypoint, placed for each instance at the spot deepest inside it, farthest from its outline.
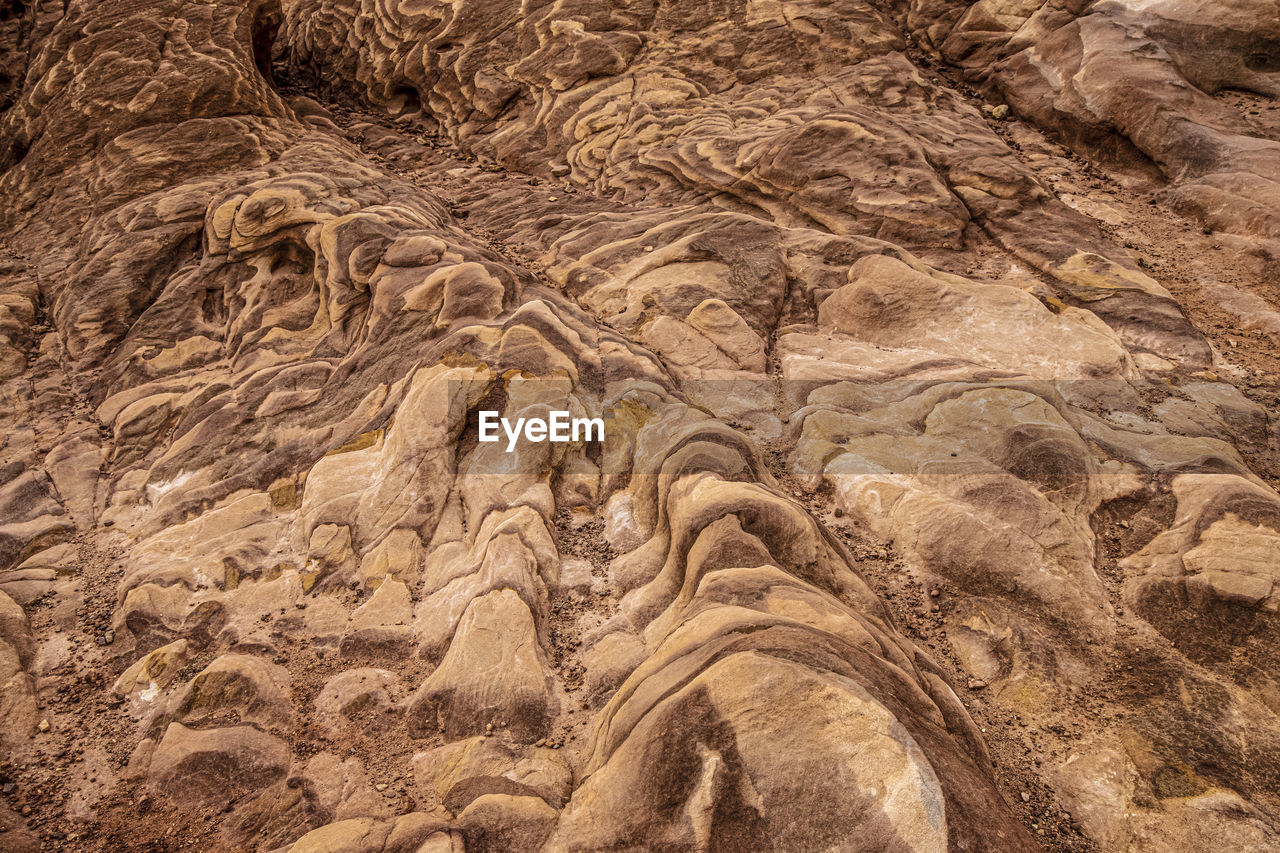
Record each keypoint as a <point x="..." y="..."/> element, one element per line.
<point x="560" y="427"/>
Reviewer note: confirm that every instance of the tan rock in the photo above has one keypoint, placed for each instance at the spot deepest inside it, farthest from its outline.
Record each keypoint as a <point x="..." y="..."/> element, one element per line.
<point x="729" y="332"/>
<point x="257" y="690"/>
<point x="206" y="767"/>
<point x="17" y="700"/>
<point x="460" y="772"/>
<point x="889" y="304"/>
<point x="399" y="555"/>
<point x="364" y="698"/>
<point x="357" y="835"/>
<point x="470" y="292"/>
<point x="609" y="662"/>
<point x="1230" y="587"/>
<point x="752" y="794"/>
<point x="157" y="615"/>
<point x="498" y="822"/>
<point x="153" y="672"/>
<point x="381" y="628"/>
<point x="283" y="323"/>
<point x="492" y="672"/>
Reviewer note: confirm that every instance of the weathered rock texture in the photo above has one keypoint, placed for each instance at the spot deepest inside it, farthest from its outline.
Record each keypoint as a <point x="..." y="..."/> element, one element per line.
<point x="936" y="508"/>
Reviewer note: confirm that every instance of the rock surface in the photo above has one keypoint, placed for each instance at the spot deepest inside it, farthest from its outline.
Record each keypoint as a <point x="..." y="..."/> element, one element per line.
<point x="936" y="346"/>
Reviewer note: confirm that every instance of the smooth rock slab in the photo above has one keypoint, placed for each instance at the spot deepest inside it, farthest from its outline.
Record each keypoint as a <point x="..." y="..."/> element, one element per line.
<point x="761" y="753"/>
<point x="206" y="767"/>
<point x="492" y="673"/>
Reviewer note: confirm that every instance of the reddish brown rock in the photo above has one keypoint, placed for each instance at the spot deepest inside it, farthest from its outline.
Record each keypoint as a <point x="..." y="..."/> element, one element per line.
<point x="211" y="766"/>
<point x="936" y="506"/>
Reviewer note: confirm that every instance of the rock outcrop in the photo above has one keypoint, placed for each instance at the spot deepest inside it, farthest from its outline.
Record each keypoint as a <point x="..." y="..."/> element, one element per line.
<point x="931" y="512"/>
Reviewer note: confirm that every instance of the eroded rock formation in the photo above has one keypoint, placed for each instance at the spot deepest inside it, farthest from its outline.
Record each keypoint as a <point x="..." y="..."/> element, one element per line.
<point x="936" y="508"/>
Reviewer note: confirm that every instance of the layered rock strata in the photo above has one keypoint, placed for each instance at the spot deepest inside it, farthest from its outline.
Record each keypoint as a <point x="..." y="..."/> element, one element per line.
<point x="926" y="518"/>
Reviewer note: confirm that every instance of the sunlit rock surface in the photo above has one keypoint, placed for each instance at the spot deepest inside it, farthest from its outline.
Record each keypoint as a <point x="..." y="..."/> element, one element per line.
<point x="936" y="347"/>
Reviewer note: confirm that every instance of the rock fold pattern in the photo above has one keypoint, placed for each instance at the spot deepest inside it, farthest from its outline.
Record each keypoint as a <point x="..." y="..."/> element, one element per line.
<point x="930" y="515"/>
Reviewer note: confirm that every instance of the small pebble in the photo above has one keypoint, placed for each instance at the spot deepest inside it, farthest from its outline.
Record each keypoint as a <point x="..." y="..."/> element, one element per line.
<point x="44" y="726"/>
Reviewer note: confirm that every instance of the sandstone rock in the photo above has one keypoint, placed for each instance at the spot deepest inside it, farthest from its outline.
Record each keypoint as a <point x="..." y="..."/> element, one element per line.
<point x="148" y="675"/>
<point x="381" y="627"/>
<point x="400" y="478"/>
<point x="206" y="767"/>
<point x="730" y="333"/>
<point x="750" y="793"/>
<point x="684" y="347"/>
<point x="1103" y="787"/>
<point x="1162" y="107"/>
<point x="1230" y="587"/>
<point x="157" y="615"/>
<point x="461" y="772"/>
<point x="365" y="698"/>
<point x="512" y="551"/>
<point x="470" y="292"/>
<point x="15" y="631"/>
<point x="39" y="573"/>
<point x="331" y="555"/>
<point x="493" y="671"/>
<point x="398" y="556"/>
<point x="256" y="690"/>
<point x="74" y="468"/>
<point x="357" y="835"/>
<point x="17" y="686"/>
<point x="216" y="550"/>
<point x="496" y="822"/>
<point x="891" y="305"/>
<point x="620" y="527"/>
<point x="853" y="336"/>
<point x="33" y="517"/>
<point x="609" y="662"/>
